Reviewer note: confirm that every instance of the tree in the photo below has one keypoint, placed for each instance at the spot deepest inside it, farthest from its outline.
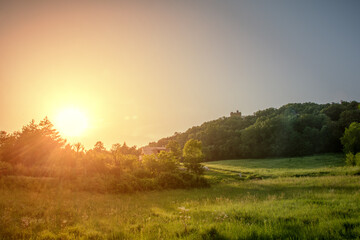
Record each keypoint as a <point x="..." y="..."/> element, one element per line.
<point x="174" y="148"/>
<point x="352" y="159"/>
<point x="351" y="138"/>
<point x="334" y="110"/>
<point x="347" y="117"/>
<point x="295" y="129"/>
<point x="193" y="155"/>
<point x="78" y="147"/>
<point x="99" y="147"/>
<point x="116" y="152"/>
<point x="33" y="145"/>
<point x="151" y="163"/>
<point x="167" y="161"/>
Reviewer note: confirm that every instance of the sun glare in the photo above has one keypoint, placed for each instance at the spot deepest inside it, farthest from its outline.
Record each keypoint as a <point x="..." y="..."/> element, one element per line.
<point x="71" y="122"/>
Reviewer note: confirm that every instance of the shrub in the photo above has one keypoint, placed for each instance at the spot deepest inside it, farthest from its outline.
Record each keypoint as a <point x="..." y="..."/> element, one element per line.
<point x="169" y="180"/>
<point x="200" y="182"/>
<point x="357" y="159"/>
<point x="193" y="181"/>
<point x="187" y="177"/>
<point x="142" y="173"/>
<point x="148" y="184"/>
<point x="350" y="159"/>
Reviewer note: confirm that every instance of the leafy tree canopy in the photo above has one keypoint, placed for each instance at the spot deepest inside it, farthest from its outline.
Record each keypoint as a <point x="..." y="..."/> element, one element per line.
<point x="295" y="129"/>
<point x="351" y="138"/>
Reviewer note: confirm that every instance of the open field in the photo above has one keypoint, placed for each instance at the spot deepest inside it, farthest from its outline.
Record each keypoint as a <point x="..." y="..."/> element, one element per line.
<point x="302" y="198"/>
<point x="318" y="165"/>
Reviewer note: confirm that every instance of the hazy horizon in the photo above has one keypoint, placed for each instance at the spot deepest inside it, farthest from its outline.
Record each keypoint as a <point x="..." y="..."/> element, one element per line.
<point x="140" y="71"/>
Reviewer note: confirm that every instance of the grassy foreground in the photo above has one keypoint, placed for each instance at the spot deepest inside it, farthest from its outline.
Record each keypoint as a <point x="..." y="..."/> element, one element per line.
<point x="298" y="198"/>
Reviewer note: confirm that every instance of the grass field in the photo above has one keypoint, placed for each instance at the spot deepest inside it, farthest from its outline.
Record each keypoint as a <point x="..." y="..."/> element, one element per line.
<point x="318" y="165"/>
<point x="298" y="198"/>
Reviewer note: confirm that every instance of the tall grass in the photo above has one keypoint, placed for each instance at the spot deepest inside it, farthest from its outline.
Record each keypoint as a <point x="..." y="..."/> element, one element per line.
<point x="283" y="207"/>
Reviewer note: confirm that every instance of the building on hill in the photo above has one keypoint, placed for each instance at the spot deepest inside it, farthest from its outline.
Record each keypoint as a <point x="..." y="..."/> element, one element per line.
<point x="237" y="114"/>
<point x="151" y="150"/>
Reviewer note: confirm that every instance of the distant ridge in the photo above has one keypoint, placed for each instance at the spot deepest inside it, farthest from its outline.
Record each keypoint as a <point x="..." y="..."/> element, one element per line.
<point x="295" y="129"/>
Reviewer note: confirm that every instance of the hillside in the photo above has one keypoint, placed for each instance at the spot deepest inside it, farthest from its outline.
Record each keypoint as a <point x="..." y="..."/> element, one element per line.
<point x="295" y="129"/>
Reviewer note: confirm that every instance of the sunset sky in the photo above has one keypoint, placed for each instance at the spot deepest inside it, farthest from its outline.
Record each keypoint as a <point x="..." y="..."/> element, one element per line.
<point x="142" y="70"/>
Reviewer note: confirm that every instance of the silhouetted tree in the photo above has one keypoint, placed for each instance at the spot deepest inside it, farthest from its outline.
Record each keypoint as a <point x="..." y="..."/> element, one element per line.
<point x="99" y="146"/>
<point x="78" y="147"/>
<point x="32" y="145"/>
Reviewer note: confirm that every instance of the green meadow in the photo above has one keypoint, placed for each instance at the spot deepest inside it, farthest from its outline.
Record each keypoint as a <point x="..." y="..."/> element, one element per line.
<point x="313" y="197"/>
<point x="318" y="165"/>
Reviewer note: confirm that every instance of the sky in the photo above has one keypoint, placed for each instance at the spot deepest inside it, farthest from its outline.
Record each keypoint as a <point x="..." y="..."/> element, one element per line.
<point x="143" y="70"/>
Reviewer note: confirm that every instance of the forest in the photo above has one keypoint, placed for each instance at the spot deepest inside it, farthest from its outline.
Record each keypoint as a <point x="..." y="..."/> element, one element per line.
<point x="295" y="129"/>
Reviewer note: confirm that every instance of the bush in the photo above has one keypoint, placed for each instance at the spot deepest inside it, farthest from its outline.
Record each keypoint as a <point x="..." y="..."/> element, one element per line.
<point x="169" y="180"/>
<point x="350" y="159"/>
<point x="187" y="177"/>
<point x="193" y="181"/>
<point x="200" y="182"/>
<point x="142" y="173"/>
<point x="196" y="168"/>
<point x="116" y="171"/>
<point x="357" y="159"/>
<point x="148" y="184"/>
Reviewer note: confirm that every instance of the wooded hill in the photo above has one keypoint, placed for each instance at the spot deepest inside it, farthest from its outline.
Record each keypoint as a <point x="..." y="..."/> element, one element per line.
<point x="295" y="129"/>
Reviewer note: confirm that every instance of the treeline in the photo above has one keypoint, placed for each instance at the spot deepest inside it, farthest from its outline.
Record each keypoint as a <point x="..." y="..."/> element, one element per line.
<point x="295" y="129"/>
<point x="39" y="151"/>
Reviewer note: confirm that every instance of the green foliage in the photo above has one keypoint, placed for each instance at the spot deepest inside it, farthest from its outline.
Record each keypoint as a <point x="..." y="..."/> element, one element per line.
<point x="351" y="138"/>
<point x="193" y="155"/>
<point x="352" y="159"/>
<point x="174" y="147"/>
<point x="169" y="180"/>
<point x="357" y="159"/>
<point x="162" y="162"/>
<point x="151" y="163"/>
<point x="296" y="129"/>
<point x="193" y="151"/>
<point x="168" y="161"/>
<point x="333" y="111"/>
<point x="38" y="151"/>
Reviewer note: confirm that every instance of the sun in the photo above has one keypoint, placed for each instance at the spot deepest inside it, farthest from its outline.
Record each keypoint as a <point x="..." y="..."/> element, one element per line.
<point x="71" y="122"/>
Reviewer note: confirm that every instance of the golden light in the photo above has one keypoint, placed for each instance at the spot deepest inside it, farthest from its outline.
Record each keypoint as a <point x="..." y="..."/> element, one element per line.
<point x="71" y="122"/>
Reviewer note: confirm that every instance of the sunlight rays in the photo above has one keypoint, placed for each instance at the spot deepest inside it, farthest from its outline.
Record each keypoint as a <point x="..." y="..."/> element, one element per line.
<point x="71" y="122"/>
